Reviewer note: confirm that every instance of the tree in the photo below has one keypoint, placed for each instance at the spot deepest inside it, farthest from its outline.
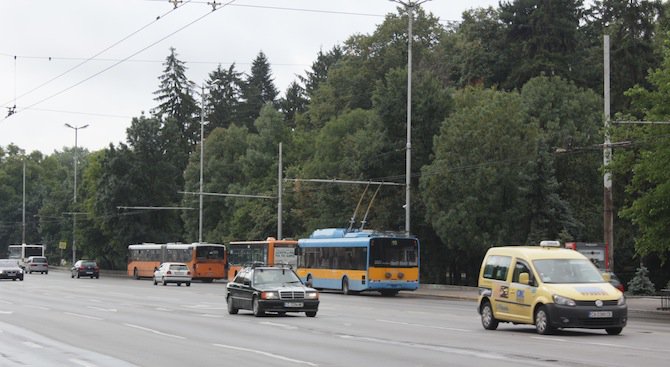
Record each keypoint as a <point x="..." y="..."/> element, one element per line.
<point x="542" y="36"/>
<point x="293" y="103"/>
<point x="223" y="99"/>
<point x="258" y="89"/>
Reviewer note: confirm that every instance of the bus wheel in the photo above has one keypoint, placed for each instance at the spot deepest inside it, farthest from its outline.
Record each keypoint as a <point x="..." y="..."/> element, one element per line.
<point x="345" y="286"/>
<point x="258" y="311"/>
<point x="136" y="274"/>
<point x="388" y="292"/>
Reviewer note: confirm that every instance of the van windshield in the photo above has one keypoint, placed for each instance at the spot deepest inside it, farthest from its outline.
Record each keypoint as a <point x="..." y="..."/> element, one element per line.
<point x="567" y="271"/>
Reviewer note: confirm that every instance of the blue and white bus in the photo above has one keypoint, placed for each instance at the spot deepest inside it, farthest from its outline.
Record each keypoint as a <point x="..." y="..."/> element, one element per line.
<point x="355" y="261"/>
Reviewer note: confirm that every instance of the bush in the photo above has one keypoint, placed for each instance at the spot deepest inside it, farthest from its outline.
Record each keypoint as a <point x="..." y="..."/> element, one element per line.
<point x="640" y="284"/>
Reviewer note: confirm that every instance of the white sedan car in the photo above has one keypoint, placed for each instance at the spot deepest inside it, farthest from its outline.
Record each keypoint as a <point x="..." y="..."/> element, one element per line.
<point x="173" y="273"/>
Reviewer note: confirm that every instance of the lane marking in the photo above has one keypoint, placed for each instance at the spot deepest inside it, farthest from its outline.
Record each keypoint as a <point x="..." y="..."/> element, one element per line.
<point x="424" y="326"/>
<point x="6" y="312"/>
<point x="102" y="309"/>
<point x="434" y="348"/>
<point x="83" y="316"/>
<point x="154" y="331"/>
<point x="597" y="344"/>
<point x="33" y="345"/>
<point x="285" y="326"/>
<point x="82" y="363"/>
<point x="267" y="354"/>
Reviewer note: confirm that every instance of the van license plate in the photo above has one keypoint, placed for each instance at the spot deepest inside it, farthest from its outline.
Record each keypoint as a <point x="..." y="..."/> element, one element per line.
<point x="600" y="314"/>
<point x="293" y="304"/>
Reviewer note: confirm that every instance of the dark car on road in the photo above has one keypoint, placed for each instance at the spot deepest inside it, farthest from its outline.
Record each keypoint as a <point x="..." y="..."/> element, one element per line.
<point x="275" y="289"/>
<point x="10" y="269"/>
<point x="85" y="268"/>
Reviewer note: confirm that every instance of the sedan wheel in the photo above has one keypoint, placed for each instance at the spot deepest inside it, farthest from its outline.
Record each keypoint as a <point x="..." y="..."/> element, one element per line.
<point x="155" y="281"/>
<point x="258" y="311"/>
<point x="164" y="282"/>
<point x="231" y="309"/>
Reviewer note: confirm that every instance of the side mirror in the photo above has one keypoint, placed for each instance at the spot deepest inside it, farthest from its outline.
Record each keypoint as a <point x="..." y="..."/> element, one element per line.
<point x="524" y="278"/>
<point x="297" y="251"/>
<point x="155" y="268"/>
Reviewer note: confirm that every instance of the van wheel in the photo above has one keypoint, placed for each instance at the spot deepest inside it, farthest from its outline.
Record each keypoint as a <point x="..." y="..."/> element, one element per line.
<point x="345" y="286"/>
<point x="542" y="322"/>
<point x="310" y="313"/>
<point x="614" y="330"/>
<point x="489" y="322"/>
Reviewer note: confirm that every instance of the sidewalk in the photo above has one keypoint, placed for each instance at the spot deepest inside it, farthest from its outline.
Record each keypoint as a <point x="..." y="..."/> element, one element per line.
<point x="639" y="307"/>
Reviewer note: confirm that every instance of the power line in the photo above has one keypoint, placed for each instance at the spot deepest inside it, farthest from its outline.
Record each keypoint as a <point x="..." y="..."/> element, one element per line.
<point x="123" y="60"/>
<point x="94" y="56"/>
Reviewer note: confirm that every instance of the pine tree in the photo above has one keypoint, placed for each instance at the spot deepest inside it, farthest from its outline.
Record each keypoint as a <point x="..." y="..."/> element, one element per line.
<point x="257" y="90"/>
<point x="223" y="100"/>
<point x="641" y="284"/>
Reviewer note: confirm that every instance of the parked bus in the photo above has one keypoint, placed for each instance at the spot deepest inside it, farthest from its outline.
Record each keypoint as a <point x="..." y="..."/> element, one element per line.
<point x="353" y="261"/>
<point x="23" y="252"/>
<point x="205" y="260"/>
<point x="268" y="252"/>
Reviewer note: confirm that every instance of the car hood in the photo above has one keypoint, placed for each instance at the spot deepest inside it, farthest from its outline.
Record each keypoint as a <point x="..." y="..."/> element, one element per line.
<point x="585" y="291"/>
<point x="286" y="288"/>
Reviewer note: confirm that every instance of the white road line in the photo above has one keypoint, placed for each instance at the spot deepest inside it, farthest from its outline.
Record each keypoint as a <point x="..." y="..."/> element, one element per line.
<point x="285" y="326"/>
<point x="102" y="309"/>
<point x="267" y="354"/>
<point x="39" y="307"/>
<point x="81" y="363"/>
<point x="6" y="312"/>
<point x="83" y="316"/>
<point x="424" y="326"/>
<point x="33" y="345"/>
<point x="154" y="331"/>
<point x="607" y="345"/>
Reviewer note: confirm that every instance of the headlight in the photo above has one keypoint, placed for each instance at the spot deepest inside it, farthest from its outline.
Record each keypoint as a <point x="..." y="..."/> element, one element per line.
<point x="621" y="301"/>
<point x="312" y="295"/>
<point x="270" y="295"/>
<point x="563" y="301"/>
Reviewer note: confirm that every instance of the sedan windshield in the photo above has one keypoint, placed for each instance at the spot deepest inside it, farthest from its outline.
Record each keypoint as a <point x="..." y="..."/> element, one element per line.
<point x="275" y="276"/>
<point x="567" y="271"/>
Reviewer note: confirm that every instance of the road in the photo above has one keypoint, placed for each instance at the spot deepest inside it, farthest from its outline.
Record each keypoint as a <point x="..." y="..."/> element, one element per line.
<point x="53" y="320"/>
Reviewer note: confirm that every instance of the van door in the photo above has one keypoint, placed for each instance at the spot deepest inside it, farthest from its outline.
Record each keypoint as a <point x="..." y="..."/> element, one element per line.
<point x="522" y="291"/>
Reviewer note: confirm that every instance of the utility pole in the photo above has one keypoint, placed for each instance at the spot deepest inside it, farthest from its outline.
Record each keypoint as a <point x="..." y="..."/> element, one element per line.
<point x="74" y="215"/>
<point x="409" y="6"/>
<point x="608" y="211"/>
<point x="202" y="157"/>
<point x="23" y="223"/>
<point x="279" y="195"/>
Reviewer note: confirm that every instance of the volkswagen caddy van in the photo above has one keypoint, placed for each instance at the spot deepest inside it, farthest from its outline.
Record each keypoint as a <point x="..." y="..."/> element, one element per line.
<point x="549" y="287"/>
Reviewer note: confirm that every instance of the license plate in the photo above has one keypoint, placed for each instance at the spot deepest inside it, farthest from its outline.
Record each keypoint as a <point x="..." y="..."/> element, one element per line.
<point x="600" y="314"/>
<point x="293" y="304"/>
<point x="89" y="272"/>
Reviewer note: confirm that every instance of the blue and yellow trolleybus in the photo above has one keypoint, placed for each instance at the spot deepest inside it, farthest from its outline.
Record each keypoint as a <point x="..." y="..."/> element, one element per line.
<point x="354" y="261"/>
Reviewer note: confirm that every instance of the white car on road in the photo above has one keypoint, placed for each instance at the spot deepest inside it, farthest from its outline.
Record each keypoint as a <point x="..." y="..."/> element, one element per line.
<point x="172" y="273"/>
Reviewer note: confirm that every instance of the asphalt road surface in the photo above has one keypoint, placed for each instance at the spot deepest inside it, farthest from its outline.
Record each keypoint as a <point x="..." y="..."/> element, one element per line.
<point x="53" y="320"/>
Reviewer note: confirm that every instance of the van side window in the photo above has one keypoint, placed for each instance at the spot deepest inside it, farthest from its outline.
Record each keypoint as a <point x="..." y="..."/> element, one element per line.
<point x="521" y="267"/>
<point x="496" y="267"/>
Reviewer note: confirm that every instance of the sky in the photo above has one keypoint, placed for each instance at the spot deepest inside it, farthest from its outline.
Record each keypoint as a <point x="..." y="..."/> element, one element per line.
<point x="97" y="62"/>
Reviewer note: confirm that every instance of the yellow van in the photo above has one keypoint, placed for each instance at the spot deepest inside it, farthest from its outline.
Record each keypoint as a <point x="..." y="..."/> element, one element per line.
<point x="549" y="287"/>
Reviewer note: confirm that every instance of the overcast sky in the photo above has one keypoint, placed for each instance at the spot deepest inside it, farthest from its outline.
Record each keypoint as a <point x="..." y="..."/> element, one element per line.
<point x="48" y="68"/>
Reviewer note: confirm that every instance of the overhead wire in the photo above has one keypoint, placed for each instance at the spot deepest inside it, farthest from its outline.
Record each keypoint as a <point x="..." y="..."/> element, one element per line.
<point x="124" y="59"/>
<point x="86" y="60"/>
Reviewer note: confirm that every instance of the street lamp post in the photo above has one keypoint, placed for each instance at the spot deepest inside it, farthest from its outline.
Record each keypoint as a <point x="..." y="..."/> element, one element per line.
<point x="202" y="158"/>
<point x="74" y="215"/>
<point x="409" y="6"/>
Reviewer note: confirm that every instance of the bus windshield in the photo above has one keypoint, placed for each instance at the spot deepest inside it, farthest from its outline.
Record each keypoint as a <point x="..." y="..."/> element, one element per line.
<point x="393" y="252"/>
<point x="14" y="252"/>
<point x="567" y="271"/>
<point x="247" y="254"/>
<point x="209" y="252"/>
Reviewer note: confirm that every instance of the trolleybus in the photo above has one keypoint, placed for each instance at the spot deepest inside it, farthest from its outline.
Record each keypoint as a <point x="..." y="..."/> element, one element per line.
<point x="353" y="261"/>
<point x="206" y="261"/>
<point x="268" y="252"/>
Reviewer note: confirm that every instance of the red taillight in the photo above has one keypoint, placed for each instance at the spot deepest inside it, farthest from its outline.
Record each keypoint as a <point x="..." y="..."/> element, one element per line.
<point x="188" y="273"/>
<point x="169" y="272"/>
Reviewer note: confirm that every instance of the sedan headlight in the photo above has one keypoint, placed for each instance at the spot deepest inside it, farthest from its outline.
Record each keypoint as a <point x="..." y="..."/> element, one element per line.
<point x="563" y="301"/>
<point x="270" y="295"/>
<point x="621" y="301"/>
<point x="312" y="295"/>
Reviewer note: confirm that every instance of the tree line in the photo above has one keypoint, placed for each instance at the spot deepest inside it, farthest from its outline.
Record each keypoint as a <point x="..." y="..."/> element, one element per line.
<point x="507" y="133"/>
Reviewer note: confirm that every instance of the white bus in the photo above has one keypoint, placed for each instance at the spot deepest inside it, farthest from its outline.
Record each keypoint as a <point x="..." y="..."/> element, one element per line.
<point x="23" y="252"/>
